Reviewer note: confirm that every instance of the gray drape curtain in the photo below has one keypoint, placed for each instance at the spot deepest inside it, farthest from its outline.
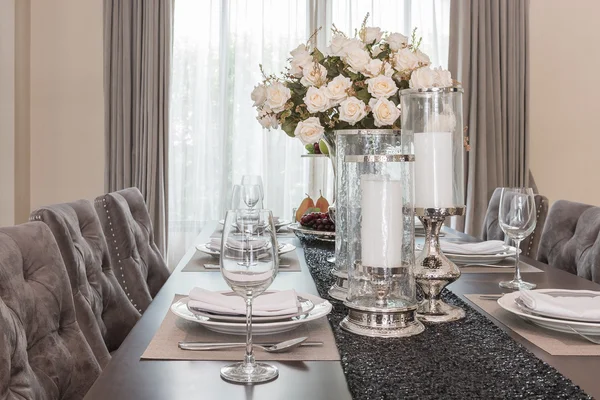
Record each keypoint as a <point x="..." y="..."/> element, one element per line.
<point x="137" y="65"/>
<point x="489" y="55"/>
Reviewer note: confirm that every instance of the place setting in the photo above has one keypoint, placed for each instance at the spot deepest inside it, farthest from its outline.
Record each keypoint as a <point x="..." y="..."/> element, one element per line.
<point x="212" y="325"/>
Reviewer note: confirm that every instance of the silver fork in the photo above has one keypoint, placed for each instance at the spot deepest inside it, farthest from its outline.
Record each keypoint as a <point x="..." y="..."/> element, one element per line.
<point x="595" y="341"/>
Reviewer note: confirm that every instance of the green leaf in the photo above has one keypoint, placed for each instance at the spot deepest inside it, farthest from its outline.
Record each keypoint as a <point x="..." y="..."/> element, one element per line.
<point x="289" y="127"/>
<point x="363" y="94"/>
<point x="310" y="148"/>
<point x="319" y="56"/>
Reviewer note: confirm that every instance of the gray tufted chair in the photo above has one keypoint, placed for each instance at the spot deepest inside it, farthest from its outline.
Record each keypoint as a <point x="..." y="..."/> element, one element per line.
<point x="43" y="353"/>
<point x="103" y="310"/>
<point x="492" y="230"/>
<point x="571" y="239"/>
<point x="140" y="268"/>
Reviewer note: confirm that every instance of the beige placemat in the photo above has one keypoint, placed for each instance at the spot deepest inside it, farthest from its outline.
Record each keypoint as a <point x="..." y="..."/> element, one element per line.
<point x="287" y="263"/>
<point x="555" y="343"/>
<point x="174" y="329"/>
<point x="476" y="269"/>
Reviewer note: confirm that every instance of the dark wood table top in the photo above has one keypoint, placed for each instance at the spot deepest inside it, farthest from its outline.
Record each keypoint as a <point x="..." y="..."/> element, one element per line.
<point x="128" y="377"/>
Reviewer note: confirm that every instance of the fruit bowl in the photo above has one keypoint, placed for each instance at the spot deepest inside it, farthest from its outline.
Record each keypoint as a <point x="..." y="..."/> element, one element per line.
<point x="307" y="233"/>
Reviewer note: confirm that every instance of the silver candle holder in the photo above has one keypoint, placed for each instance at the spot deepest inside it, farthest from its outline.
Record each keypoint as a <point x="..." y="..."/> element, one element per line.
<point x="433" y="270"/>
<point x="382" y="315"/>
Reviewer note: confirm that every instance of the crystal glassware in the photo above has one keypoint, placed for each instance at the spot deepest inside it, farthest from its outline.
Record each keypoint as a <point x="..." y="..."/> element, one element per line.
<point x="249" y="264"/>
<point x="247" y="196"/>
<point x="517" y="219"/>
<point x="254" y="180"/>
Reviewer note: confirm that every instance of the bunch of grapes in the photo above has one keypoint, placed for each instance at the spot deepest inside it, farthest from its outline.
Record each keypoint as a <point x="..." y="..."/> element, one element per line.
<point x="318" y="221"/>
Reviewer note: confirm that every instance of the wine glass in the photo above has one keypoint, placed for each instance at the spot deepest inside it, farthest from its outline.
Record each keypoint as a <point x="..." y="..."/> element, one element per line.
<point x="246" y="197"/>
<point x="517" y="218"/>
<point x="254" y="180"/>
<point x="249" y="263"/>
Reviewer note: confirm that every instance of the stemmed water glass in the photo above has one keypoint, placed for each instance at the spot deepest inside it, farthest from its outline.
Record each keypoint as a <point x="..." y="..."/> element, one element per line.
<point x="517" y="219"/>
<point x="249" y="263"/>
<point x="247" y="196"/>
<point x="254" y="180"/>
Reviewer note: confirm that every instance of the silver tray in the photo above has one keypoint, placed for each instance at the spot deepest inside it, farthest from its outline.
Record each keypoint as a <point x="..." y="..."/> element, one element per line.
<point x="311" y="234"/>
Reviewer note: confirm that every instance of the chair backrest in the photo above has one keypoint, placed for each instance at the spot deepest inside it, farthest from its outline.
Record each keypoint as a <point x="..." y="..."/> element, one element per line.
<point x="82" y="244"/>
<point x="492" y="230"/>
<point x="571" y="239"/>
<point x="141" y="269"/>
<point x="43" y="353"/>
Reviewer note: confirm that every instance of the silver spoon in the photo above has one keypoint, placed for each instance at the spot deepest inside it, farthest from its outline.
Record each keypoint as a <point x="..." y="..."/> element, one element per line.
<point x="275" y="348"/>
<point x="595" y="341"/>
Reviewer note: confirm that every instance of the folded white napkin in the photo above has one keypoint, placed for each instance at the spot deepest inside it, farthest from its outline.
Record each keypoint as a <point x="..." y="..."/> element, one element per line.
<point x="570" y="307"/>
<point x="481" y="248"/>
<point x="282" y="302"/>
<point x="238" y="244"/>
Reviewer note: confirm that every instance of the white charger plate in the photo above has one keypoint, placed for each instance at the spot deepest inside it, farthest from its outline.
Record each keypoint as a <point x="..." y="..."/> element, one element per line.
<point x="305" y="307"/>
<point x="283" y="249"/>
<point x="279" y="224"/>
<point x="562" y="293"/>
<point x="507" y="302"/>
<point x="321" y="309"/>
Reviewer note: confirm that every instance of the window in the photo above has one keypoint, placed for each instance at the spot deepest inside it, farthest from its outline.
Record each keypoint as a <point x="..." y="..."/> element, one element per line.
<point x="214" y="136"/>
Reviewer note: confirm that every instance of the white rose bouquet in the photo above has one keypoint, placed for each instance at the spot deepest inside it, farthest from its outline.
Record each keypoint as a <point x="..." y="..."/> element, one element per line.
<point x="353" y="84"/>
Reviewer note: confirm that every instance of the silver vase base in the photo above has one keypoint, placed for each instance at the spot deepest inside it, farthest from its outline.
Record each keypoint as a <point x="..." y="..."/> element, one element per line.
<point x="339" y="290"/>
<point x="436" y="311"/>
<point x="381" y="322"/>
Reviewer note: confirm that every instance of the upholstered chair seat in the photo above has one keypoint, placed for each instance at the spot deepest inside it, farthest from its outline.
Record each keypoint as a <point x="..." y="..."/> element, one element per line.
<point x="103" y="310"/>
<point x="141" y="269"/>
<point x="571" y="239"/>
<point x="43" y="353"/>
<point x="492" y="230"/>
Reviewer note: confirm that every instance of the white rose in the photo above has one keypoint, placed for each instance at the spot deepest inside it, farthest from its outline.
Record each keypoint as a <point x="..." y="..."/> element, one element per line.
<point x="423" y="58"/>
<point x="316" y="100"/>
<point x="259" y="95"/>
<point x="309" y="131"/>
<point x="423" y="78"/>
<point x="314" y="75"/>
<point x="405" y="60"/>
<point x="352" y="110"/>
<point x="357" y="59"/>
<point x="300" y="59"/>
<point x="397" y="41"/>
<point x="372" y="34"/>
<point x="277" y="96"/>
<point x="373" y="68"/>
<point x="388" y="70"/>
<point x="337" y="45"/>
<point x="443" y="78"/>
<point x="384" y="111"/>
<point x="336" y="89"/>
<point x="381" y="86"/>
<point x="268" y="120"/>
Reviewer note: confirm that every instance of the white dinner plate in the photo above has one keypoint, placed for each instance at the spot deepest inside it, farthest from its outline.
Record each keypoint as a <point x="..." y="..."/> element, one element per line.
<point x="321" y="309"/>
<point x="561" y="293"/>
<point x="508" y="303"/>
<point x="305" y="307"/>
<point x="280" y="223"/>
<point x="205" y="248"/>
<point x="509" y="251"/>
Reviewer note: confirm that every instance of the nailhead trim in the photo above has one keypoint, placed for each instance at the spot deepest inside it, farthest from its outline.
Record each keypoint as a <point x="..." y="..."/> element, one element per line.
<point x="537" y="218"/>
<point x="118" y="254"/>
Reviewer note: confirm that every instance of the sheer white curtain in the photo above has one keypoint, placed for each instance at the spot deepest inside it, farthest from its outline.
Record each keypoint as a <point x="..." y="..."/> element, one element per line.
<point x="214" y="136"/>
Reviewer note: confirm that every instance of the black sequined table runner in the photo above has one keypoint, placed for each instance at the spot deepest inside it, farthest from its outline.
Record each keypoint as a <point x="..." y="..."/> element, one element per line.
<point x="467" y="359"/>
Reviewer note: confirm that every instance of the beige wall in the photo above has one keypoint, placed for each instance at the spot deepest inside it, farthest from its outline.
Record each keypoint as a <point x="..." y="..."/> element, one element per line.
<point x="564" y="99"/>
<point x="66" y="101"/>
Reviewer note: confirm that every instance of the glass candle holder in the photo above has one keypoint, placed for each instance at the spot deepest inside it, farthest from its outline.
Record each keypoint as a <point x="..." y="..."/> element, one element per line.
<point x="432" y="130"/>
<point x="377" y="198"/>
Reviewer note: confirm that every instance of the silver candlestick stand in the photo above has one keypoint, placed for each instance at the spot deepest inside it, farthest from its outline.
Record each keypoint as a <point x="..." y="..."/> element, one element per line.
<point x="434" y="270"/>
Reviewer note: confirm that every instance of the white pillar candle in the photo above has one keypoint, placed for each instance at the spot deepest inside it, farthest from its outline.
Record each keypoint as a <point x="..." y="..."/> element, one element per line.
<point x="433" y="170"/>
<point x="381" y="222"/>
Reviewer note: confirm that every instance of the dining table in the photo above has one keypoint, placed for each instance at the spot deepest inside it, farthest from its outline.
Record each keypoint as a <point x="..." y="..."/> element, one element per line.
<point x="477" y="357"/>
